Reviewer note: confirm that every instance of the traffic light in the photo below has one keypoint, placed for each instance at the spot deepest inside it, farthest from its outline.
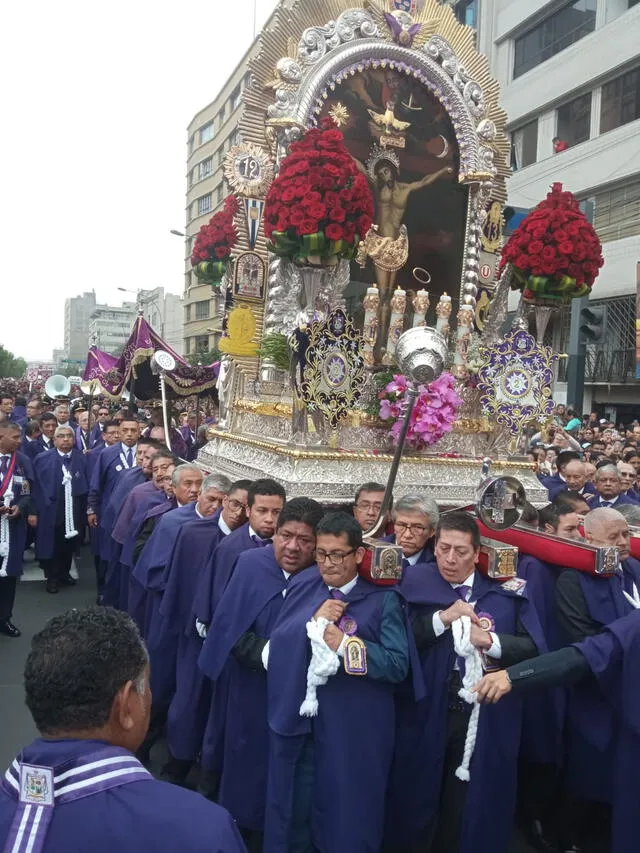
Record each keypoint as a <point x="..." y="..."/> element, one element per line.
<point x="593" y="324"/>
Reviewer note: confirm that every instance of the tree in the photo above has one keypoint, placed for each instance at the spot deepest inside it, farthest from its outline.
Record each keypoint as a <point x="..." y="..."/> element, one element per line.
<point x="10" y="366"/>
<point x="204" y="358"/>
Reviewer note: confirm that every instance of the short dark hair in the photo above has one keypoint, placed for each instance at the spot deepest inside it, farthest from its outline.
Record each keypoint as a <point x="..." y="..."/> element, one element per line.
<point x="108" y="424"/>
<point x="529" y="514"/>
<point x="151" y="442"/>
<point x="76" y="666"/>
<point x="4" y="397"/>
<point x="47" y="416"/>
<point x="31" y="428"/>
<point x="304" y="510"/>
<point x="567" y="456"/>
<point x="243" y="485"/>
<point x="462" y="522"/>
<point x="337" y="523"/>
<point x="553" y="512"/>
<point x="569" y="498"/>
<point x="265" y="487"/>
<point x="165" y="453"/>
<point x="368" y="487"/>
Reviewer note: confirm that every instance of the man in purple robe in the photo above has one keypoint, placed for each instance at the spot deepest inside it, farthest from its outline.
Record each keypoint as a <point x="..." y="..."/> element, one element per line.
<point x="30" y="446"/>
<point x="102" y="420"/>
<point x="265" y="500"/>
<point x="334" y="658"/>
<point x="240" y="630"/>
<point x="60" y="494"/>
<point x="609" y="488"/>
<point x="586" y="604"/>
<point x="571" y="476"/>
<point x="427" y="794"/>
<point x="189" y="707"/>
<point x="48" y="426"/>
<point x="79" y="786"/>
<point x="610" y="659"/>
<point x="16" y="487"/>
<point x="189" y="434"/>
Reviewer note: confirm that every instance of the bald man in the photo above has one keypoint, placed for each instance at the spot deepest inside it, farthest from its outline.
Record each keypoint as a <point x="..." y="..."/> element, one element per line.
<point x="586" y="605"/>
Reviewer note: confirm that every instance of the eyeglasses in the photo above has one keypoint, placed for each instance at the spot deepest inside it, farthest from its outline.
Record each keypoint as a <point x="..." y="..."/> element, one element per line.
<point x="402" y="527"/>
<point x="235" y="506"/>
<point x="366" y="506"/>
<point x="335" y="558"/>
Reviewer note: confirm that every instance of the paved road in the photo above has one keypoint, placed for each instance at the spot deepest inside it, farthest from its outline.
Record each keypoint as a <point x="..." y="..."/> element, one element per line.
<point x="34" y="606"/>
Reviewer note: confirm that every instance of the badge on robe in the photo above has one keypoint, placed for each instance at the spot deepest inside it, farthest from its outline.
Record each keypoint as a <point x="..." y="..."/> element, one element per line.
<point x="355" y="657"/>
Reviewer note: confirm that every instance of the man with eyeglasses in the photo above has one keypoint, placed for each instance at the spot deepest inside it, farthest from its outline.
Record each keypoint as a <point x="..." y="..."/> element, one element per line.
<point x="98" y="429"/>
<point x="334" y="659"/>
<point x="415" y="519"/>
<point x="265" y="500"/>
<point x="189" y="707"/>
<point x="237" y="639"/>
<point x="367" y="504"/>
<point x="427" y="794"/>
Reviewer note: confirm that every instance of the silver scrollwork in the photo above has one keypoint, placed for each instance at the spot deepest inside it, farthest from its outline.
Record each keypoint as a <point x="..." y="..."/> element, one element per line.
<point x="285" y="287"/>
<point x="316" y="42"/>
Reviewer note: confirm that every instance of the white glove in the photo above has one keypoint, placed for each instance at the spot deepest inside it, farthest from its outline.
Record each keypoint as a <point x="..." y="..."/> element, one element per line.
<point x="201" y="628"/>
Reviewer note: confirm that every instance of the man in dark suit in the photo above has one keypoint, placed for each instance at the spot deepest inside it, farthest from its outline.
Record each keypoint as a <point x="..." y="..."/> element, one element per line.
<point x="571" y="476"/>
<point x="7" y="405"/>
<point x="61" y="501"/>
<point x="609" y="486"/>
<point x="415" y="519"/>
<point x="48" y="425"/>
<point x="30" y="445"/>
<point x="188" y="432"/>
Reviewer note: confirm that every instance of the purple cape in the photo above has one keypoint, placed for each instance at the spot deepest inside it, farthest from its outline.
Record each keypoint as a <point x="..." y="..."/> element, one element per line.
<point x="128" y="479"/>
<point x="252" y="601"/>
<point x="22" y="487"/>
<point x="215" y="575"/>
<point x="191" y="701"/>
<point x="348" y="746"/>
<point x="107" y="472"/>
<point x="49" y="492"/>
<point x="614" y="658"/>
<point x="416" y="778"/>
<point x="543" y="719"/>
<point x="137" y="596"/>
<point x="141" y="815"/>
<point x="592" y="725"/>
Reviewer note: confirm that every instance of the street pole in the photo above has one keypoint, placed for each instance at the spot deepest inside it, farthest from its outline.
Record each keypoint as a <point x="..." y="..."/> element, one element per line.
<point x="577" y="357"/>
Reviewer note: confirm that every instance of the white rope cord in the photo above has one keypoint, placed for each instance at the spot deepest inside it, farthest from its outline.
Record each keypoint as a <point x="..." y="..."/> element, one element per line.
<point x="69" y="529"/>
<point x="473" y="672"/>
<point x="323" y="664"/>
<point x="5" y="531"/>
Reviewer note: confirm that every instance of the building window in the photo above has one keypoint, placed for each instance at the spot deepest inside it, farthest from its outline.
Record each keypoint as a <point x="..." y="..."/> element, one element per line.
<point x="187" y="346"/>
<point x="222" y="114"/>
<point x="620" y="101"/>
<point x="206" y="132"/>
<point x="557" y="32"/>
<point x="202" y="310"/>
<point x="466" y="11"/>
<point x="191" y="177"/>
<point x="201" y="343"/>
<point x="206" y="167"/>
<point x="234" y="139"/>
<point x="204" y="204"/>
<point x="574" y="120"/>
<point x="191" y="141"/>
<point x="220" y="156"/>
<point x="187" y="313"/>
<point x="187" y="280"/>
<point x="219" y="194"/>
<point x="236" y="98"/>
<point x="524" y="145"/>
<point x="617" y="212"/>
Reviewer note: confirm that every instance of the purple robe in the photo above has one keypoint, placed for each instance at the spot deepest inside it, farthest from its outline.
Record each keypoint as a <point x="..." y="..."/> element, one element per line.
<point x="106" y="474"/>
<point x="592" y="725"/>
<point x="31" y="447"/>
<point x="49" y="493"/>
<point x="614" y="658"/>
<point x="218" y="570"/>
<point x="189" y="707"/>
<point x="252" y="602"/>
<point x="416" y="779"/>
<point x="556" y="485"/>
<point x="137" y="596"/>
<point x="544" y="712"/>
<point x="22" y="487"/>
<point x="348" y="747"/>
<point x="127" y="480"/>
<point x="143" y="814"/>
<point x="150" y="572"/>
<point x="190" y="442"/>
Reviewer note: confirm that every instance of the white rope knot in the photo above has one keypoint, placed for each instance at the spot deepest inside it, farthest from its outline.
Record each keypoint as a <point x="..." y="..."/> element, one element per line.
<point x="323" y="664"/>
<point x="473" y="672"/>
<point x="67" y="481"/>
<point x="5" y="530"/>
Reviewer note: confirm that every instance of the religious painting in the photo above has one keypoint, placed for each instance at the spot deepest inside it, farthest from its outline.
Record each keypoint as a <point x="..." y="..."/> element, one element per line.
<point x="249" y="278"/>
<point x="404" y="142"/>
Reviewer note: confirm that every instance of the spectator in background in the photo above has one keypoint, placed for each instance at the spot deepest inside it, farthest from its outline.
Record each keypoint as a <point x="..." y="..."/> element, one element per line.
<point x="559" y="145"/>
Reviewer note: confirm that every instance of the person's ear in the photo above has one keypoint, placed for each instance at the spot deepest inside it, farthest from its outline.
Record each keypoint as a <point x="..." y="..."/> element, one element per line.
<point x="123" y="706"/>
<point x="549" y="529"/>
<point x="360" y="552"/>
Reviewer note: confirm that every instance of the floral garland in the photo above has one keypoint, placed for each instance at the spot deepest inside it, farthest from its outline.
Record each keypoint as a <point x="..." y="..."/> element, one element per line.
<point x="555" y="251"/>
<point x="434" y="412"/>
<point x="214" y="243"/>
<point x="320" y="206"/>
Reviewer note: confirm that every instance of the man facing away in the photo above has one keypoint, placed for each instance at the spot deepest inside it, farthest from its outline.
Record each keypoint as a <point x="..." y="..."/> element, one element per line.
<point x="78" y="786"/>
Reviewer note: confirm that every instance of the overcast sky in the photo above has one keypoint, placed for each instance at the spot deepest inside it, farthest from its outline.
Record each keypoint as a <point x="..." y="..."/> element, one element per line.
<point x="94" y="105"/>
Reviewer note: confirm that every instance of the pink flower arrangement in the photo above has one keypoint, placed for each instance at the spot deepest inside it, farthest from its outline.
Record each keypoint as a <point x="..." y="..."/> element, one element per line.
<point x="434" y="412"/>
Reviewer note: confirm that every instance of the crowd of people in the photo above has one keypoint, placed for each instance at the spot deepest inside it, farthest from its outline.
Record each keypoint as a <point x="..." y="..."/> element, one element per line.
<point x="313" y="709"/>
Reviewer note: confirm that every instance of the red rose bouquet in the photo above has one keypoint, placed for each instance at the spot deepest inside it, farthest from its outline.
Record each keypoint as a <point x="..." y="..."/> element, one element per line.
<point x="214" y="242"/>
<point x="320" y="206"/>
<point x="555" y="252"/>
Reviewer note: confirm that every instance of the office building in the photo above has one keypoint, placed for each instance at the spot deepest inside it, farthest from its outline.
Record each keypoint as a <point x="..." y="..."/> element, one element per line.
<point x="110" y="327"/>
<point x="570" y="71"/>
<point x="77" y="315"/>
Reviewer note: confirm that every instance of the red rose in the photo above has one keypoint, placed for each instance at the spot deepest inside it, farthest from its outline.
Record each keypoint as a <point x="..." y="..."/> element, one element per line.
<point x="337" y="214"/>
<point x="536" y="247"/>
<point x="565" y="248"/>
<point x="317" y="211"/>
<point x="288" y="195"/>
<point x="297" y="217"/>
<point x="334" y="231"/>
<point x="548" y="253"/>
<point x="308" y="226"/>
<point x="221" y="252"/>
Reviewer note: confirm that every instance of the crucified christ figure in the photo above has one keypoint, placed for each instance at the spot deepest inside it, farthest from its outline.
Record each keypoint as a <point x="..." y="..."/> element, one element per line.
<point x="387" y="244"/>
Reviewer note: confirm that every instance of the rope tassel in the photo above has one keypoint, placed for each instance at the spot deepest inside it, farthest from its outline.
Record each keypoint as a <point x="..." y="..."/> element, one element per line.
<point x="69" y="529"/>
<point x="473" y="672"/>
<point x="5" y="533"/>
<point x="323" y="664"/>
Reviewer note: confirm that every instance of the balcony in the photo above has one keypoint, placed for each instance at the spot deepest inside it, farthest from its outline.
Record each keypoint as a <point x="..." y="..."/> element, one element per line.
<point x="605" y="367"/>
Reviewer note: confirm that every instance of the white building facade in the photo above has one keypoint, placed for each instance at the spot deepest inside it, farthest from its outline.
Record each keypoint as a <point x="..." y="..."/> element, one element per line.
<point x="570" y="71"/>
